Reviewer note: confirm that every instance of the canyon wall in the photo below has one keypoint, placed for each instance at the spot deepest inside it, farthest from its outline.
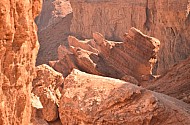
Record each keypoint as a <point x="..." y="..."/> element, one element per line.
<point x="166" y="20"/>
<point x="52" y="12"/>
<point x="18" y="51"/>
<point x="53" y="28"/>
<point x="47" y="87"/>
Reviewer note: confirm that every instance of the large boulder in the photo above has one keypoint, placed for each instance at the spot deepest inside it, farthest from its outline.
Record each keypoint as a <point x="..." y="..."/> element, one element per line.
<point x="90" y="99"/>
<point x="18" y="51"/>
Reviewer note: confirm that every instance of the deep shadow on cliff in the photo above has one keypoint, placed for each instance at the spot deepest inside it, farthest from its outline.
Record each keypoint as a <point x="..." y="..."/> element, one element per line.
<point x="51" y="38"/>
<point x="53" y="28"/>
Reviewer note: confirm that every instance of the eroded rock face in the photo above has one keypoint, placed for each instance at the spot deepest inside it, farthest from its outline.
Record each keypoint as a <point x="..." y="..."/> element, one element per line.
<point x="53" y="28"/>
<point x="91" y="99"/>
<point x="111" y="18"/>
<point x="47" y="86"/>
<point x="52" y="12"/>
<point x="107" y="58"/>
<point x="18" y="50"/>
<point x="175" y="83"/>
<point x="169" y="21"/>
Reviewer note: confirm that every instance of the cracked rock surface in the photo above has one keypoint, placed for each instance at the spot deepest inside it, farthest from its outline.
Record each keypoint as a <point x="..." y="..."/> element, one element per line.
<point x="90" y="99"/>
<point x="128" y="60"/>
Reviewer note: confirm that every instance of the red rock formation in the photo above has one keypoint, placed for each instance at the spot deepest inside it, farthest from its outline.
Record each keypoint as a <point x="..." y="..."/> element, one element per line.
<point x="157" y="18"/>
<point x="18" y="50"/>
<point x="107" y="58"/>
<point x="175" y="83"/>
<point x="91" y="99"/>
<point x="169" y="21"/>
<point x="47" y="86"/>
<point x="53" y="28"/>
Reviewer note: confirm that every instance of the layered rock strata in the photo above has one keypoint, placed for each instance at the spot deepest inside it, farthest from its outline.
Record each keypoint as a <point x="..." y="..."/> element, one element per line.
<point x="98" y="56"/>
<point x="166" y="20"/>
<point x="90" y="99"/>
<point x="18" y="50"/>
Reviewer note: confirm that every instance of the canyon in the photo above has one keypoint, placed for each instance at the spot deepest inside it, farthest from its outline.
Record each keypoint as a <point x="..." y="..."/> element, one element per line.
<point x="97" y="62"/>
<point x="166" y="20"/>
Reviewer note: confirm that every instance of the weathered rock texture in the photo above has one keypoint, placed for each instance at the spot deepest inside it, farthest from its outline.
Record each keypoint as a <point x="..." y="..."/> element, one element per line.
<point x="38" y="121"/>
<point x="107" y="58"/>
<point x="53" y="11"/>
<point x="53" y="28"/>
<point x="90" y="99"/>
<point x="167" y="20"/>
<point x="112" y="18"/>
<point x="47" y="86"/>
<point x="36" y="115"/>
<point x="175" y="83"/>
<point x="18" y="50"/>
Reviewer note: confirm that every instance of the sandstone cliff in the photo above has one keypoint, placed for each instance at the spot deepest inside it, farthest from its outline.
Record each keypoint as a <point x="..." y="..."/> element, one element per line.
<point x="98" y="56"/>
<point x="90" y="99"/>
<point x="53" y="28"/>
<point x="169" y="21"/>
<point x="18" y="50"/>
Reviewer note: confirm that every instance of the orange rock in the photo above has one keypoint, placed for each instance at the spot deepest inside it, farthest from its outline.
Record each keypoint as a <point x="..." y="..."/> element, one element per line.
<point x="169" y="21"/>
<point x="38" y="121"/>
<point x="130" y="79"/>
<point x="175" y="83"/>
<point x="57" y="122"/>
<point x="91" y="99"/>
<point x="47" y="86"/>
<point x="18" y="51"/>
<point x="107" y="58"/>
<point x="166" y="20"/>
